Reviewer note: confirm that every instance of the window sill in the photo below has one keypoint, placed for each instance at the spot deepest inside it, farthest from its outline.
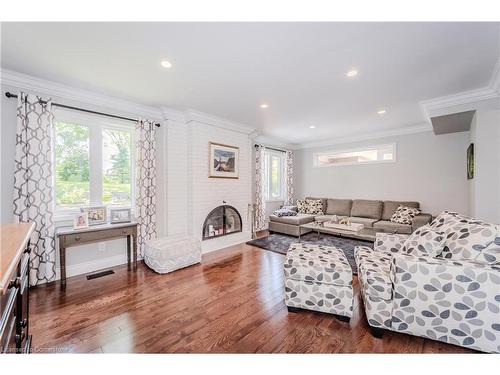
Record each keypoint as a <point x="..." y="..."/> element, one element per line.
<point x="66" y="217"/>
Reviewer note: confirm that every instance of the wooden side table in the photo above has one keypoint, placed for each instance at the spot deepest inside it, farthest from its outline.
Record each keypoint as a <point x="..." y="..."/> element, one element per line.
<point x="74" y="237"/>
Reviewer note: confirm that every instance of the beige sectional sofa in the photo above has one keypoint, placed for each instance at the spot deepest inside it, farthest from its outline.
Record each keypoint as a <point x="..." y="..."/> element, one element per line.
<point x="372" y="213"/>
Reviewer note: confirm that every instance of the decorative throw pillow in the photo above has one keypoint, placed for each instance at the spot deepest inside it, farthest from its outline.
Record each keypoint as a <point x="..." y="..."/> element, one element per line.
<point x="468" y="238"/>
<point x="425" y="241"/>
<point x="404" y="215"/>
<point x="284" y="212"/>
<point x="301" y="206"/>
<point x="314" y="206"/>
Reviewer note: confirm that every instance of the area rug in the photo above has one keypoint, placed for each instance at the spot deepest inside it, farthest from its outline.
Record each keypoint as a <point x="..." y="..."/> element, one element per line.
<point x="279" y="243"/>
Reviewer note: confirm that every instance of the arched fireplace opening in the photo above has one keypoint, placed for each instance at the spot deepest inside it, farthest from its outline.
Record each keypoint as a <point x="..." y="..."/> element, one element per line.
<point x="221" y="221"/>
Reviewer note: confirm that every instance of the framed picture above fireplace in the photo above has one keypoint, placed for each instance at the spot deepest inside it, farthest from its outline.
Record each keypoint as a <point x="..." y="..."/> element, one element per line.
<point x="223" y="161"/>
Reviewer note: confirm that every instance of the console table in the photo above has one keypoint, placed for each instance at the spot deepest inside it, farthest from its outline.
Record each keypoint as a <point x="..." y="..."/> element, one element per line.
<point x="97" y="233"/>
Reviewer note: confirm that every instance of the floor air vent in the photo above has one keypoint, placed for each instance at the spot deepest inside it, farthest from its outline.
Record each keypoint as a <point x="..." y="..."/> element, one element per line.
<point x="100" y="274"/>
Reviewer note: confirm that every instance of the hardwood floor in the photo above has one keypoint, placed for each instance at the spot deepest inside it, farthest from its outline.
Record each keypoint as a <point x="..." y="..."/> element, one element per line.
<point x="231" y="303"/>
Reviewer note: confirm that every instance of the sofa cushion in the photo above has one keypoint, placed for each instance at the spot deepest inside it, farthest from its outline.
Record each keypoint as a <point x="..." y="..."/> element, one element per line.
<point x="323" y="201"/>
<point x="404" y="215"/>
<point x="374" y="272"/>
<point x="466" y="238"/>
<point x="367" y="208"/>
<point x="293" y="220"/>
<point x="317" y="263"/>
<point x="425" y="241"/>
<point x="390" y="227"/>
<point x="368" y="223"/>
<point x="420" y="220"/>
<point x="391" y="206"/>
<point x="341" y="207"/>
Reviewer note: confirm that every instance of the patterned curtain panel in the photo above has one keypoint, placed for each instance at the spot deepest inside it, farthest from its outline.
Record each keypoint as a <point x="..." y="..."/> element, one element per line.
<point x="260" y="200"/>
<point x="146" y="182"/>
<point x="289" y="196"/>
<point x="33" y="182"/>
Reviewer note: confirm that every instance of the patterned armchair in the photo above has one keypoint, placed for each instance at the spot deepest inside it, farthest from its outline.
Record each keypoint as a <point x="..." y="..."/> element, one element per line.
<point x="453" y="296"/>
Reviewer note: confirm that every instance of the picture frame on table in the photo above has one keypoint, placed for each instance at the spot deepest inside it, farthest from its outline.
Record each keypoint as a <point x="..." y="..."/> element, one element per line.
<point x="223" y="161"/>
<point x="81" y="221"/>
<point x="96" y="214"/>
<point x="120" y="215"/>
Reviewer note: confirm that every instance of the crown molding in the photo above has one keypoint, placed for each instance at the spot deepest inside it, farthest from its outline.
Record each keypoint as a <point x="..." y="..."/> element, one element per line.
<point x="37" y="85"/>
<point x="418" y="128"/>
<point x="450" y="101"/>
<point x="173" y="115"/>
<point x="492" y="91"/>
<point x="495" y="78"/>
<point x="41" y="86"/>
<point x="205" y="118"/>
<point x="272" y="141"/>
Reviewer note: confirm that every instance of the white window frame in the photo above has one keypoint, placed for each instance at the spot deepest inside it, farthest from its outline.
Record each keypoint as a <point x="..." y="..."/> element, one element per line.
<point x="267" y="166"/>
<point x="316" y="155"/>
<point x="96" y="124"/>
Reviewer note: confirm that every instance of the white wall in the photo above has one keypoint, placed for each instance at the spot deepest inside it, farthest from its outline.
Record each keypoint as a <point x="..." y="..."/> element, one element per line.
<point x="430" y="169"/>
<point x="176" y="175"/>
<point x="485" y="186"/>
<point x="207" y="193"/>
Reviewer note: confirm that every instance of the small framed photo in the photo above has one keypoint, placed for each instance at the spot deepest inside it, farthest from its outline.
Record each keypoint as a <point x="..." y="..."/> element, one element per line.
<point x="223" y="161"/>
<point x="97" y="214"/>
<point x="81" y="221"/>
<point x="120" y="215"/>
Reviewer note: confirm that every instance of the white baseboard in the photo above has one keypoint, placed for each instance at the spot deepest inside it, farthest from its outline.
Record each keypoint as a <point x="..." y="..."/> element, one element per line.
<point x="221" y="242"/>
<point x="117" y="260"/>
<point x="93" y="265"/>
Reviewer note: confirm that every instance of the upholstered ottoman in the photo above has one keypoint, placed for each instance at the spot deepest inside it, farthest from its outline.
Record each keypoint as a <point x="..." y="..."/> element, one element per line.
<point x="318" y="278"/>
<point x="168" y="254"/>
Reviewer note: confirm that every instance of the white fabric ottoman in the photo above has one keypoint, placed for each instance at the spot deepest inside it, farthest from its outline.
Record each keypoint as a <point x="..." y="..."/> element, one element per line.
<point x="318" y="278"/>
<point x="168" y="254"/>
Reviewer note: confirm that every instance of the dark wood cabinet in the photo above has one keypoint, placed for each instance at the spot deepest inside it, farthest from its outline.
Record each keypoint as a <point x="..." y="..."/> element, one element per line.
<point x="14" y="288"/>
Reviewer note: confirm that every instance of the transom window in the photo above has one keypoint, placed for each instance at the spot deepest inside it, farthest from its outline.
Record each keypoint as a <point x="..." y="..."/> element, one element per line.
<point x="94" y="162"/>
<point x="366" y="155"/>
<point x="274" y="168"/>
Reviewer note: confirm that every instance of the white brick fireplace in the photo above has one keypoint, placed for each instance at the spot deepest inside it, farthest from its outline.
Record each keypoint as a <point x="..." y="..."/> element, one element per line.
<point x="190" y="195"/>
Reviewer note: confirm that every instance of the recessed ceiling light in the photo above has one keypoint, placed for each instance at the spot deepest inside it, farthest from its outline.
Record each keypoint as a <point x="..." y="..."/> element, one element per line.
<point x="264" y="105"/>
<point x="312" y="127"/>
<point x="352" y="73"/>
<point x="381" y="112"/>
<point x="166" y="64"/>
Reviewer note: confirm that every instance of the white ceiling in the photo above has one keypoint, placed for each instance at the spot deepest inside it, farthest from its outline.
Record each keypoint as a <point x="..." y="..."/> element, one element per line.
<point x="228" y="69"/>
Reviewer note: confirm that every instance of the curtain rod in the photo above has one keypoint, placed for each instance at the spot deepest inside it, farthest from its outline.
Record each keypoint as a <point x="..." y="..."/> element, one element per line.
<point x="9" y="95"/>
<point x="271" y="148"/>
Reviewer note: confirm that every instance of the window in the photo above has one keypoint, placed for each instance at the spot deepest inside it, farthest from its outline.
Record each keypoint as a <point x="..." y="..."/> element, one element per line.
<point x="365" y="155"/>
<point x="93" y="162"/>
<point x="116" y="173"/>
<point x="72" y="165"/>
<point x="274" y="167"/>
